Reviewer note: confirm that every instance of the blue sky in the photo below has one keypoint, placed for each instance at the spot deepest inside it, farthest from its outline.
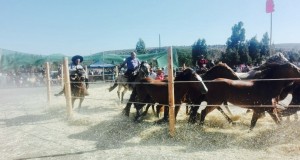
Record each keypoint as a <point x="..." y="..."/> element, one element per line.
<point x="89" y="26"/>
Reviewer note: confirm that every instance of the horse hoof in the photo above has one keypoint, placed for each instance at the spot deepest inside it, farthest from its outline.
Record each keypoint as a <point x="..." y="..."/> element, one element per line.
<point x="138" y="119"/>
<point x="144" y="113"/>
<point x="126" y="113"/>
<point x="161" y="121"/>
<point x="192" y="121"/>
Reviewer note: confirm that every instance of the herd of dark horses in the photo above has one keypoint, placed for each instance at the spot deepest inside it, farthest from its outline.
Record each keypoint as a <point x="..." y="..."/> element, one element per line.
<point x="260" y="91"/>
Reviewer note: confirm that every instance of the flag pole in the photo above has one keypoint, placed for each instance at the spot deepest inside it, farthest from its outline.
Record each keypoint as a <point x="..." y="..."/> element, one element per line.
<point x="271" y="35"/>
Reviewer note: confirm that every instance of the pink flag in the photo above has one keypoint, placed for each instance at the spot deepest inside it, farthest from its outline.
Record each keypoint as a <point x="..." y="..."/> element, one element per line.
<point x="270" y="6"/>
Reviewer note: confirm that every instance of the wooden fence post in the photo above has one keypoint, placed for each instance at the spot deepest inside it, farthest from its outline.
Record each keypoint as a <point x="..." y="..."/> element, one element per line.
<point x="67" y="88"/>
<point x="62" y="75"/>
<point x="171" y="93"/>
<point x="48" y="83"/>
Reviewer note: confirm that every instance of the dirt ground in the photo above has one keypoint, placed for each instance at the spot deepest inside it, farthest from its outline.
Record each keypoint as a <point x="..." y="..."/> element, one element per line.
<point x="31" y="129"/>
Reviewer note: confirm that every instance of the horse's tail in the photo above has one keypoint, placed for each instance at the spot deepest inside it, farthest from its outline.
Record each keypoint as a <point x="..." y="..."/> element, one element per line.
<point x="113" y="87"/>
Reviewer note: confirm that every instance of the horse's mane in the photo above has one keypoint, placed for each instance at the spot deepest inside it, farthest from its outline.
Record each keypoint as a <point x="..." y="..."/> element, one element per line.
<point x="185" y="74"/>
<point x="273" y="61"/>
<point x="220" y="70"/>
<point x="269" y="68"/>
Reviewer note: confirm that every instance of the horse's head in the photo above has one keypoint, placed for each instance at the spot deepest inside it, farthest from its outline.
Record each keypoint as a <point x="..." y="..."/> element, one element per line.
<point x="78" y="75"/>
<point x="221" y="70"/>
<point x="190" y="75"/>
<point x="144" y="70"/>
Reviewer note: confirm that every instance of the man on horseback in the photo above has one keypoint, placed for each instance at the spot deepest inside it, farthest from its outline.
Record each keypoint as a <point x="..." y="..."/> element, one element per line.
<point x="133" y="64"/>
<point x="73" y="68"/>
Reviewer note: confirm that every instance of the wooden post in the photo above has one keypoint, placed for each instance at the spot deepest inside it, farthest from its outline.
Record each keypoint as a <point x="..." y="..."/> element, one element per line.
<point x="67" y="88"/>
<point x="171" y="93"/>
<point x="62" y="75"/>
<point x="48" y="83"/>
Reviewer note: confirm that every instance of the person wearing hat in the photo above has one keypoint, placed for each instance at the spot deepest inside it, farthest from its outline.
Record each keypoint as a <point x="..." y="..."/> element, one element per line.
<point x="202" y="62"/>
<point x="73" y="67"/>
<point x="133" y="64"/>
<point x="160" y="74"/>
<point x="76" y="60"/>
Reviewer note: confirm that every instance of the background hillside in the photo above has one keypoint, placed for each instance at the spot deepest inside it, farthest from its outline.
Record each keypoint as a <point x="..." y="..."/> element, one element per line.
<point x="14" y="59"/>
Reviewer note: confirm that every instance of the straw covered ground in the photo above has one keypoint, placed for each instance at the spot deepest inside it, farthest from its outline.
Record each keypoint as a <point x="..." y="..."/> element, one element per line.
<point x="30" y="129"/>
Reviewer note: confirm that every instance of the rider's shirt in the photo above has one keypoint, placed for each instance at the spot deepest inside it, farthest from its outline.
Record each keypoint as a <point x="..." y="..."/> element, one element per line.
<point x="202" y="63"/>
<point x="132" y="64"/>
<point x="74" y="67"/>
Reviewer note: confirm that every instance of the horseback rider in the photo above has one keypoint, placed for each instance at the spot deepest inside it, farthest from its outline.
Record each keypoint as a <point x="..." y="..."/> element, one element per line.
<point x="133" y="64"/>
<point x="73" y="67"/>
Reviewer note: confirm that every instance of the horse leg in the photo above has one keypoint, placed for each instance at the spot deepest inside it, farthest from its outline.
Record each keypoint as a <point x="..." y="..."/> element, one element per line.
<point x="166" y="114"/>
<point x="139" y="112"/>
<point x="225" y="115"/>
<point x="126" y="110"/>
<point x="80" y="102"/>
<point x="187" y="111"/>
<point x="255" y="116"/>
<point x="146" y="110"/>
<point x="123" y="93"/>
<point x="226" y="107"/>
<point x="118" y="93"/>
<point x="153" y="110"/>
<point x="204" y="112"/>
<point x="274" y="115"/>
<point x="113" y="87"/>
<point x="193" y="114"/>
<point x="159" y="109"/>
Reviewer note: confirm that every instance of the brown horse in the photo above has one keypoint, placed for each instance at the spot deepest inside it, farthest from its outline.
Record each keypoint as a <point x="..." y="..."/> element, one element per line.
<point x="185" y="84"/>
<point x="78" y="86"/>
<point x="253" y="94"/>
<point x="221" y="70"/>
<point x="142" y="73"/>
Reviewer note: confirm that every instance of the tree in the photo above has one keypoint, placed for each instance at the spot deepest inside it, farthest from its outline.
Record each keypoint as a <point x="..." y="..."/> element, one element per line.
<point x="140" y="47"/>
<point x="199" y="48"/>
<point x="264" y="46"/>
<point x="254" y="50"/>
<point x="184" y="56"/>
<point x="236" y="47"/>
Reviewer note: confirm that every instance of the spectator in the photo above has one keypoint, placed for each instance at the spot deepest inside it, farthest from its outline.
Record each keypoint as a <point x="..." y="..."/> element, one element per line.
<point x="160" y="74"/>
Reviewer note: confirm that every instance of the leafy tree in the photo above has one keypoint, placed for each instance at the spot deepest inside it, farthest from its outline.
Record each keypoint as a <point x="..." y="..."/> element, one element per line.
<point x="184" y="56"/>
<point x="140" y="47"/>
<point x="264" y="46"/>
<point x="254" y="50"/>
<point x="244" y="54"/>
<point x="236" y="47"/>
<point x="198" y="48"/>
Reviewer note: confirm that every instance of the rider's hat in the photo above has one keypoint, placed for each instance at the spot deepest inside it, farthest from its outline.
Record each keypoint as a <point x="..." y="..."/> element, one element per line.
<point x="74" y="58"/>
<point x="158" y="69"/>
